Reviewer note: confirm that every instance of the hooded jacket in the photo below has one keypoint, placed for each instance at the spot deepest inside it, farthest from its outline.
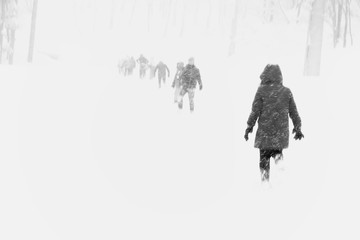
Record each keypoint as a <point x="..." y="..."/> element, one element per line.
<point x="271" y="108"/>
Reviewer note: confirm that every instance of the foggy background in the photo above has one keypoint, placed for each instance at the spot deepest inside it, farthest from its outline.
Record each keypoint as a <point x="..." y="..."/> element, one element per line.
<point x="87" y="153"/>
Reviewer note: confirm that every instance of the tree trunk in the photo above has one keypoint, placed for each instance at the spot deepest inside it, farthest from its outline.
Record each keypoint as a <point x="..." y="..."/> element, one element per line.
<point x="182" y="29"/>
<point x="350" y="32"/>
<point x="272" y="8"/>
<point x="150" y="7"/>
<point x="112" y="14"/>
<point x="299" y="10"/>
<point x="333" y="17"/>
<point x="32" y="32"/>
<point x="314" y="39"/>
<point x="232" y="46"/>
<point x="12" y="46"/>
<point x="209" y="15"/>
<point x="283" y="12"/>
<point x="338" y="23"/>
<point x="133" y="11"/>
<point x="2" y="28"/>
<point x="168" y="17"/>
<point x="346" y="22"/>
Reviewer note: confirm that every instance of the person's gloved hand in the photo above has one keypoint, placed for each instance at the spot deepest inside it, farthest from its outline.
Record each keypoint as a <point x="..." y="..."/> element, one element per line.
<point x="247" y="131"/>
<point x="298" y="134"/>
<point x="200" y="87"/>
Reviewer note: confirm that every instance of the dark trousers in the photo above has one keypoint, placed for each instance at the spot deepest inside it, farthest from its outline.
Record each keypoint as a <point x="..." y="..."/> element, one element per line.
<point x="265" y="155"/>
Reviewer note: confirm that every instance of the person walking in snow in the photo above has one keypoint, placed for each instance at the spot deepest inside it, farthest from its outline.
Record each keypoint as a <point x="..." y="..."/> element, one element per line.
<point x="130" y="65"/>
<point x="176" y="83"/>
<point x="143" y="62"/>
<point x="162" y="68"/>
<point x="272" y="106"/>
<point x="188" y="80"/>
<point x="152" y="67"/>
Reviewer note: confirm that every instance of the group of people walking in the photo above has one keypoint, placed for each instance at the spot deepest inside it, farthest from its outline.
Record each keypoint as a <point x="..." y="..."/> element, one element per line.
<point x="271" y="108"/>
<point x="185" y="80"/>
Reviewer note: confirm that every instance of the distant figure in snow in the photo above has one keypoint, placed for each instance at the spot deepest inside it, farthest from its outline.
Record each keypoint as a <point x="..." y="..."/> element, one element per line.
<point x="188" y="80"/>
<point x="152" y="68"/>
<point x="161" y="68"/>
<point x="130" y="65"/>
<point x="122" y="66"/>
<point x="126" y="66"/>
<point x="272" y="106"/>
<point x="143" y="62"/>
<point x="176" y="83"/>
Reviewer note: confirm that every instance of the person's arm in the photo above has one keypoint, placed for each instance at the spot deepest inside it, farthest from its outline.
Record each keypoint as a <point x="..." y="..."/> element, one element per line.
<point x="295" y="117"/>
<point x="255" y="113"/>
<point x="173" y="83"/>
<point x="255" y="109"/>
<point x="198" y="79"/>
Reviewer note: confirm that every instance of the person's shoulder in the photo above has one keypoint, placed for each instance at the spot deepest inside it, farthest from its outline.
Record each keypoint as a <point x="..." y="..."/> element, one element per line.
<point x="287" y="89"/>
<point x="288" y="92"/>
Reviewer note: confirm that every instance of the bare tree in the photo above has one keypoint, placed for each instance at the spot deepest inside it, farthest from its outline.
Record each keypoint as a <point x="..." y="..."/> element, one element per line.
<point x="314" y="39"/>
<point x="112" y="14"/>
<point x="8" y="25"/>
<point x="338" y="24"/>
<point x="2" y="28"/>
<point x="234" y="29"/>
<point x="347" y="27"/>
<point x="340" y="9"/>
<point x="209" y="15"/>
<point x="133" y="11"/>
<point x="150" y="7"/>
<point x="183" y="19"/>
<point x="168" y="13"/>
<point x="32" y="32"/>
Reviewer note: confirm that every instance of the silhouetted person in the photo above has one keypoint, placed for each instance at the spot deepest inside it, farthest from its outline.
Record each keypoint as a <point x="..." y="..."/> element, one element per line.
<point x="176" y="83"/>
<point x="152" y="69"/>
<point x="272" y="106"/>
<point x="188" y="80"/>
<point x="130" y="65"/>
<point x="143" y="65"/>
<point x="161" y="68"/>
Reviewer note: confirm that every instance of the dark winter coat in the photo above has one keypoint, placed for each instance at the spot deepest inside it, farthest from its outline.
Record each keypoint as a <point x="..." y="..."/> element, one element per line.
<point x="190" y="77"/>
<point x="272" y="106"/>
<point x="162" y="69"/>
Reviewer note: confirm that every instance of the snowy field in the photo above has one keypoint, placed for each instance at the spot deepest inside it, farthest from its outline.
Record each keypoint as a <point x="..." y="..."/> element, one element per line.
<point x="89" y="154"/>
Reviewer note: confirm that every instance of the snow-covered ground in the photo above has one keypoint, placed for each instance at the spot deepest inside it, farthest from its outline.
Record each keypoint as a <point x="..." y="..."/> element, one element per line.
<point x="88" y="154"/>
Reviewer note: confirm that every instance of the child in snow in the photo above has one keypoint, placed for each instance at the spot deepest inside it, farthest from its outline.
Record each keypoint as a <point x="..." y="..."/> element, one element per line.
<point x="176" y="82"/>
<point x="272" y="105"/>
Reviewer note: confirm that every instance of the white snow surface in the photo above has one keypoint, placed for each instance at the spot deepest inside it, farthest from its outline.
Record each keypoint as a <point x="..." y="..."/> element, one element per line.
<point x="86" y="153"/>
